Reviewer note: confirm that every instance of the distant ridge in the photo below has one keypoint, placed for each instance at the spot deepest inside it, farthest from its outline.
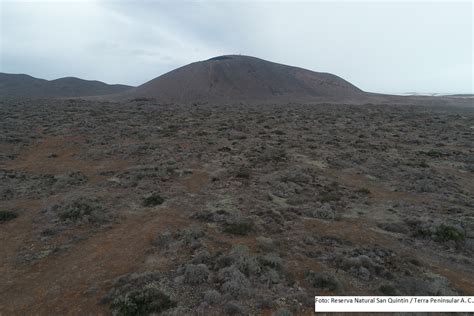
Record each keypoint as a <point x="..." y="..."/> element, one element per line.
<point x="228" y="79"/>
<point x="233" y="78"/>
<point x="25" y="86"/>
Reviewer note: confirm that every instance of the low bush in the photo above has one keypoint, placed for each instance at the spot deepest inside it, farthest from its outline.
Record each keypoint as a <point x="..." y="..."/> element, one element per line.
<point x="363" y="191"/>
<point x="329" y="197"/>
<point x="422" y="232"/>
<point x="7" y="215"/>
<point x="153" y="200"/>
<point x="81" y="211"/>
<point x="76" y="211"/>
<point x="235" y="283"/>
<point x="270" y="276"/>
<point x="243" y="172"/>
<point x="212" y="297"/>
<point x="191" y="236"/>
<point x="442" y="233"/>
<point x="138" y="294"/>
<point x="322" y="281"/>
<point x="420" y="287"/>
<point x="446" y="233"/>
<point x="388" y="290"/>
<point x="239" y="228"/>
<point x="265" y="243"/>
<point x="147" y="300"/>
<point x="162" y="240"/>
<point x="271" y="260"/>
<point x="423" y="164"/>
<point x="195" y="274"/>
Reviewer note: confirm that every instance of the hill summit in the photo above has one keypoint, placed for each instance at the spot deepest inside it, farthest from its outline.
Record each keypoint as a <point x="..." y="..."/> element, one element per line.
<point x="243" y="78"/>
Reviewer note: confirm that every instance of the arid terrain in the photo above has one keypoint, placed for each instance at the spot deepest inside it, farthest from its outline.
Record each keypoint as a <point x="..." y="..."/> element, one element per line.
<point x="139" y="207"/>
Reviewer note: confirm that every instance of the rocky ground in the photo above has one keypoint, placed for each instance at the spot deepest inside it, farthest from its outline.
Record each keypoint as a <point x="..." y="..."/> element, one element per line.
<point x="206" y="210"/>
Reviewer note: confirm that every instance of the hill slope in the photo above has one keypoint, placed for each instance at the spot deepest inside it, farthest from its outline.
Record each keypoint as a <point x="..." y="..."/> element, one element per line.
<point x="244" y="78"/>
<point x="19" y="85"/>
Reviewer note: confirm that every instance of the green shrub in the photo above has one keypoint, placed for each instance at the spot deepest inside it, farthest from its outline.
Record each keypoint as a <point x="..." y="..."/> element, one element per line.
<point x="153" y="200"/>
<point x="442" y="233"/>
<point x="75" y="211"/>
<point x="142" y="302"/>
<point x="243" y="172"/>
<point x="271" y="260"/>
<point x="195" y="274"/>
<point x="422" y="233"/>
<point x="388" y="290"/>
<point x="81" y="210"/>
<point x="238" y="228"/>
<point x="363" y="191"/>
<point x="324" y="281"/>
<point x="446" y="233"/>
<point x="423" y="164"/>
<point x="7" y="215"/>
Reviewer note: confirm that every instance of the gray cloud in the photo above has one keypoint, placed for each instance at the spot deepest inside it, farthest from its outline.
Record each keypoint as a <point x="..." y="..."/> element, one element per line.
<point x="380" y="46"/>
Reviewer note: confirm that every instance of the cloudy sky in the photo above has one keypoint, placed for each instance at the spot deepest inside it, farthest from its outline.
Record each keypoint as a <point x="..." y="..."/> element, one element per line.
<point x="382" y="46"/>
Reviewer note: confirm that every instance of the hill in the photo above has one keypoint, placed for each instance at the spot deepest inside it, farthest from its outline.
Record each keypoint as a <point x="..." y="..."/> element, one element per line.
<point x="25" y="86"/>
<point x="242" y="78"/>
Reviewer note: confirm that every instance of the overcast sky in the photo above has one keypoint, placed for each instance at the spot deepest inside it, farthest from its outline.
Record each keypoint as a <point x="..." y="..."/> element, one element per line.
<point x="390" y="47"/>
